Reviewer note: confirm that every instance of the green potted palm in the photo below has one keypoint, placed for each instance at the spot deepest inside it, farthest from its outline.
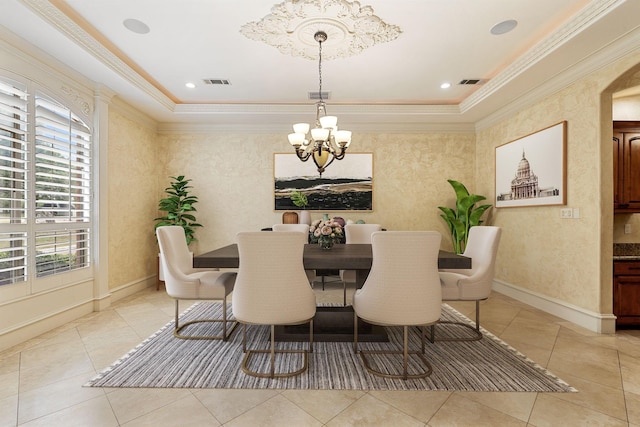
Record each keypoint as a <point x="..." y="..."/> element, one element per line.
<point x="465" y="215"/>
<point x="179" y="207"/>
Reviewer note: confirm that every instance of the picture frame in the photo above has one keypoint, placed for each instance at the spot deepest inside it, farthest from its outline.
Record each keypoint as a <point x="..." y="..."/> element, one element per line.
<point x="346" y="185"/>
<point x="531" y="171"/>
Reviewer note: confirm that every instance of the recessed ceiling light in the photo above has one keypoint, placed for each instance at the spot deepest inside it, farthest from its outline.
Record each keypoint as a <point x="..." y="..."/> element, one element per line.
<point x="136" y="26"/>
<point x="190" y="85"/>
<point x="445" y="85"/>
<point x="504" y="27"/>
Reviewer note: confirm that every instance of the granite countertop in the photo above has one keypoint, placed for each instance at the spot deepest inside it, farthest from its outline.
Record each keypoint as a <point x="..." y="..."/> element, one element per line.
<point x="626" y="251"/>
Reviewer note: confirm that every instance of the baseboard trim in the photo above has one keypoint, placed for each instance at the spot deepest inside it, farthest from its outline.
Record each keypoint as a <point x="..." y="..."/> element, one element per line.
<point x="131" y="288"/>
<point x="43" y="325"/>
<point x="595" y="322"/>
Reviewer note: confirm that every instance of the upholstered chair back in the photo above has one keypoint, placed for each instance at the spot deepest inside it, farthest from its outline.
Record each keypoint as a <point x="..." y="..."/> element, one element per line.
<point x="403" y="286"/>
<point x="303" y="228"/>
<point x="360" y="233"/>
<point x="474" y="283"/>
<point x="272" y="287"/>
<point x="177" y="262"/>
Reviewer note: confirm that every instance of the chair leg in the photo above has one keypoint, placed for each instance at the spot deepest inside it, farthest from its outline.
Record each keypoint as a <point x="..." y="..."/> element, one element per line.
<point x="272" y="352"/>
<point x="226" y="332"/>
<point x="244" y="337"/>
<point x="405" y="348"/>
<point x="476" y="333"/>
<point x="224" y="319"/>
<point x="405" y="352"/>
<point x="344" y="293"/>
<point x="272" y="364"/>
<point x="355" y="333"/>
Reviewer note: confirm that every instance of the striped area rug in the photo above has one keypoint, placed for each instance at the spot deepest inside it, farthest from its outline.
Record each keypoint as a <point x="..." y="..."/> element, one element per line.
<point x="164" y="361"/>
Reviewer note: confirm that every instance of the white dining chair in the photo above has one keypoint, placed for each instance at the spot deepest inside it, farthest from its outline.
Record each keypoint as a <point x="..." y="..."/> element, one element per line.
<point x="272" y="289"/>
<point x="183" y="282"/>
<point x="402" y="289"/>
<point x="472" y="284"/>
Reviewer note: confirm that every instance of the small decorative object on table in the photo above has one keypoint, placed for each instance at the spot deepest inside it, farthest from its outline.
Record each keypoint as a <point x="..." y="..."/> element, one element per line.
<point x="300" y="200"/>
<point x="290" y="218"/>
<point x="325" y="233"/>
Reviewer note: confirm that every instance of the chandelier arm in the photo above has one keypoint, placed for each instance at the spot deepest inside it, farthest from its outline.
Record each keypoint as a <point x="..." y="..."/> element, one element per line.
<point x="331" y="145"/>
<point x="303" y="154"/>
<point x="340" y="155"/>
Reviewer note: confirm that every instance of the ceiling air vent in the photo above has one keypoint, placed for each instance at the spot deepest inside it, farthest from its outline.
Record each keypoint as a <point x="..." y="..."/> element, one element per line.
<point x="216" y="81"/>
<point x="471" y="82"/>
<point x="315" y="96"/>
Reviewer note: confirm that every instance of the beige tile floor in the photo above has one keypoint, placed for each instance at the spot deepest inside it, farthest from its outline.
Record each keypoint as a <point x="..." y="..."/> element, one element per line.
<point x="41" y="380"/>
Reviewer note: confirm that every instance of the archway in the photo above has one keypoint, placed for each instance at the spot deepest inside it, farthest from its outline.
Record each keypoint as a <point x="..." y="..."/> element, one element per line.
<point x="626" y="85"/>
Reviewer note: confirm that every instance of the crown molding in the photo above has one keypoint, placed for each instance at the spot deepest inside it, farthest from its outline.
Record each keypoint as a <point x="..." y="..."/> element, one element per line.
<point x="200" y="127"/>
<point x="614" y="52"/>
<point x="65" y="25"/>
<point x="590" y="14"/>
<point x="308" y="109"/>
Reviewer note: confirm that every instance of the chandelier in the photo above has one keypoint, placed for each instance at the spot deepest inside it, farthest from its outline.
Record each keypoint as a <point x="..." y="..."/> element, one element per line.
<point x="325" y="143"/>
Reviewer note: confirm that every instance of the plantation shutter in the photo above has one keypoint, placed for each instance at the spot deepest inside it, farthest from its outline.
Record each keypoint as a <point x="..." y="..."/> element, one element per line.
<point x="63" y="164"/>
<point x="62" y="188"/>
<point x="13" y="182"/>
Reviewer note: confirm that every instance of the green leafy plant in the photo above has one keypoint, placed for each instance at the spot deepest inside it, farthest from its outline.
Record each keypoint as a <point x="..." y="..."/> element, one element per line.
<point x="464" y="216"/>
<point x="299" y="199"/>
<point x="179" y="207"/>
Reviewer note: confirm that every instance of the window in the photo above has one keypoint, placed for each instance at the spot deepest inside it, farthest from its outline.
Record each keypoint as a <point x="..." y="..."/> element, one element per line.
<point x="45" y="187"/>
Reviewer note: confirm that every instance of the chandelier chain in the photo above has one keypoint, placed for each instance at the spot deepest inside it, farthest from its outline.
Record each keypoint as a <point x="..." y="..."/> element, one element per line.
<point x="320" y="69"/>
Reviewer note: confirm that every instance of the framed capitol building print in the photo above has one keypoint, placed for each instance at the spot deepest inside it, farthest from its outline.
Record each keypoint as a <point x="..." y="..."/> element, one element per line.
<point x="531" y="171"/>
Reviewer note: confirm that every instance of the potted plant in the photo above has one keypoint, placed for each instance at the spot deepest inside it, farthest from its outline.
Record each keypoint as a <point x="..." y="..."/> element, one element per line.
<point x="300" y="200"/>
<point x="179" y="206"/>
<point x="464" y="216"/>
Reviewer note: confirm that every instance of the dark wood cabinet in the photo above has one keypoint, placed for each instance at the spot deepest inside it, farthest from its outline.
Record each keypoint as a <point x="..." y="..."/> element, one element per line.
<point x="626" y="292"/>
<point x="626" y="167"/>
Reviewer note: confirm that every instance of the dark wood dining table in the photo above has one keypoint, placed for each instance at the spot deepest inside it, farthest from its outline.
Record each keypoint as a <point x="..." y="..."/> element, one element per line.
<point x="357" y="257"/>
<point x="330" y="323"/>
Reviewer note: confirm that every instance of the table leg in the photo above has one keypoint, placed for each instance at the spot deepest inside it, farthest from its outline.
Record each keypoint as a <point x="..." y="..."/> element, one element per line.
<point x="361" y="277"/>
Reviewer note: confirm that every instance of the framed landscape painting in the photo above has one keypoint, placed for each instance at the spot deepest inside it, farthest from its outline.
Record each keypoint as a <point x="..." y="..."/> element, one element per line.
<point x="531" y="171"/>
<point x="346" y="185"/>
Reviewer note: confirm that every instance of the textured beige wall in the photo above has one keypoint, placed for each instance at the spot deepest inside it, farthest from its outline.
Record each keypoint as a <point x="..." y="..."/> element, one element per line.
<point x="133" y="185"/>
<point x="569" y="260"/>
<point x="627" y="108"/>
<point x="233" y="178"/>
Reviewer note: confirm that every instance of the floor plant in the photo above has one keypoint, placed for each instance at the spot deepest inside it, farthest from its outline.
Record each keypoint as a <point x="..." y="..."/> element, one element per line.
<point x="179" y="207"/>
<point x="465" y="215"/>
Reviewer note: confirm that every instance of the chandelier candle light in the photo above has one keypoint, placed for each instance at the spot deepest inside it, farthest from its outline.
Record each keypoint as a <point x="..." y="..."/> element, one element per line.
<point x="326" y="143"/>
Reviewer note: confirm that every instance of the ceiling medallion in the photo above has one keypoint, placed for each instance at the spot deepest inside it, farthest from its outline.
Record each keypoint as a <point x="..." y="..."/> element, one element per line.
<point x="350" y="28"/>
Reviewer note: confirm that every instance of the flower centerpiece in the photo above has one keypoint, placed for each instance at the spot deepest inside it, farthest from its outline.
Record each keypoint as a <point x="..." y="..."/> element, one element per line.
<point x="325" y="233"/>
